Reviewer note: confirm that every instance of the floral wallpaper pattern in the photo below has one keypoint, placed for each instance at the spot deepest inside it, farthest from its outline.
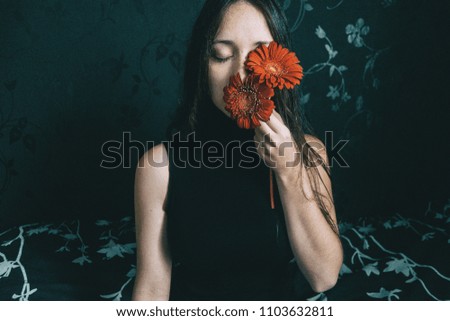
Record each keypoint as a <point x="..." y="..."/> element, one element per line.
<point x="77" y="74"/>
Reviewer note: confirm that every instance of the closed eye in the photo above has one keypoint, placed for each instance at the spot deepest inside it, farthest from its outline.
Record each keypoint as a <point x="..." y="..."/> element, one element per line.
<point x="221" y="60"/>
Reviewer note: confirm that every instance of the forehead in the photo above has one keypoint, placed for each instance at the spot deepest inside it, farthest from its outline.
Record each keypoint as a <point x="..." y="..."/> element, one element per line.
<point x="242" y="23"/>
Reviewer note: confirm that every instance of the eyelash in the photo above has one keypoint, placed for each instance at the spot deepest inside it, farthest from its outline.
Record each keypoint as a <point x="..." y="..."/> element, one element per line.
<point x="221" y="60"/>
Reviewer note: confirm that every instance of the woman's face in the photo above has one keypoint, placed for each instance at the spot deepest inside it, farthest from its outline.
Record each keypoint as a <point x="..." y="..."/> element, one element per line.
<point x="243" y="28"/>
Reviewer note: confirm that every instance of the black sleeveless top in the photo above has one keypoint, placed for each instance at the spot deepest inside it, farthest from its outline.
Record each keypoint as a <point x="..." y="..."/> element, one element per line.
<point x="226" y="241"/>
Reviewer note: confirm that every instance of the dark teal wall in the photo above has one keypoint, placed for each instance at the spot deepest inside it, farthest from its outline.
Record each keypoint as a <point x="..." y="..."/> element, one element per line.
<point x="76" y="74"/>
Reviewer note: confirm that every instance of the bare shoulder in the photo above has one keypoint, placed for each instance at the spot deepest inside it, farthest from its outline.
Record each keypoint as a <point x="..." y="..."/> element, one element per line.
<point x="155" y="157"/>
<point x="310" y="139"/>
<point x="317" y="145"/>
<point x="152" y="172"/>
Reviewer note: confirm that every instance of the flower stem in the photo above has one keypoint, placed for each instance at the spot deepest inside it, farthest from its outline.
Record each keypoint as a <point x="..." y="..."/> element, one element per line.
<point x="272" y="201"/>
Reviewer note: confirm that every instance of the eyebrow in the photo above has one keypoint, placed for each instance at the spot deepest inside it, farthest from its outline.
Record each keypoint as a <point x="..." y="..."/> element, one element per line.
<point x="231" y="43"/>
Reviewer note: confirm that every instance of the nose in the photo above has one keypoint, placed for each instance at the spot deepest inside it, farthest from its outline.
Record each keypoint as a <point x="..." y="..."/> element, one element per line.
<point x="241" y="68"/>
<point x="243" y="72"/>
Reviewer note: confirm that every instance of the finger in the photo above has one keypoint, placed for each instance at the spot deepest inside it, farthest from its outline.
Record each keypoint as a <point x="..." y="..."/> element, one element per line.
<point x="265" y="140"/>
<point x="265" y="128"/>
<point x="258" y="137"/>
<point x="261" y="140"/>
<point x="265" y="156"/>
<point x="261" y="150"/>
<point x="257" y="141"/>
<point x="277" y="115"/>
<point x="276" y="123"/>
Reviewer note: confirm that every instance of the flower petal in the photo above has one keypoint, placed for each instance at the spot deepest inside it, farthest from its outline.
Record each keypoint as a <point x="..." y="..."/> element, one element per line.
<point x="276" y="65"/>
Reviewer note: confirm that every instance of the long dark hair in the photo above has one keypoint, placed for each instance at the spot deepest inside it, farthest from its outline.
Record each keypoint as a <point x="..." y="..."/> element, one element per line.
<point x="196" y="93"/>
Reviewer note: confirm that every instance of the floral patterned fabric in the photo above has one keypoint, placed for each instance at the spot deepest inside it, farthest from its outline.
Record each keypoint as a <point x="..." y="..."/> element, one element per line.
<point x="396" y="258"/>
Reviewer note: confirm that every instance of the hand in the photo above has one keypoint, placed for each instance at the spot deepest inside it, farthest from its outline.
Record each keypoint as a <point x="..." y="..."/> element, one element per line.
<point x="276" y="146"/>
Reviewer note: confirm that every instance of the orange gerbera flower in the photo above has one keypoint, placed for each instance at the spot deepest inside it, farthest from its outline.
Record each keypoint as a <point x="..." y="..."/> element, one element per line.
<point x="275" y="65"/>
<point x="248" y="102"/>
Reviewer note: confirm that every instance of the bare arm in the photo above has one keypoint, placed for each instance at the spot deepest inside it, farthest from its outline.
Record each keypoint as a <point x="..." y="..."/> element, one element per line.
<point x="154" y="263"/>
<point x="317" y="249"/>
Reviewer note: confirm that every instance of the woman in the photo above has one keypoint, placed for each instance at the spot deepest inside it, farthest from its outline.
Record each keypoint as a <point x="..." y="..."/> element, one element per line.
<point x="209" y="232"/>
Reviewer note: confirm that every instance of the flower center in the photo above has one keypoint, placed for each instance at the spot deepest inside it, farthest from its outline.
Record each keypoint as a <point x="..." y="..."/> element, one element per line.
<point x="247" y="101"/>
<point x="273" y="68"/>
